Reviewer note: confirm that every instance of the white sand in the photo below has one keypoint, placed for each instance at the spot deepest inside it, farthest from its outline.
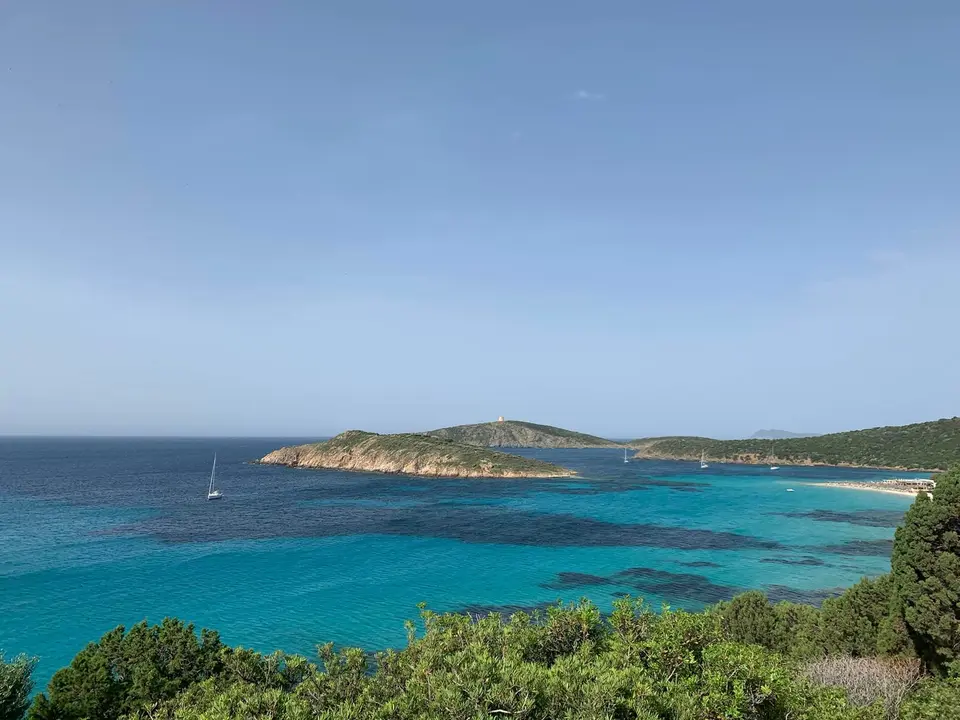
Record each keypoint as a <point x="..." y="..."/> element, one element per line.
<point x="875" y="487"/>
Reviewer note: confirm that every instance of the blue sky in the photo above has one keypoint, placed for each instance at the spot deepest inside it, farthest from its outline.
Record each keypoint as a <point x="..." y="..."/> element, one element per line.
<point x="628" y="218"/>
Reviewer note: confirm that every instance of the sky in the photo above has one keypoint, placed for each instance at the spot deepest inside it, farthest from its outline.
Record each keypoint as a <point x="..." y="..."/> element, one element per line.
<point x="622" y="217"/>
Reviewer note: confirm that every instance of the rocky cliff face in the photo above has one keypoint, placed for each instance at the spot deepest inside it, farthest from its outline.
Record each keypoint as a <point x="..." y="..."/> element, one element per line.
<point x="411" y="455"/>
<point x="516" y="434"/>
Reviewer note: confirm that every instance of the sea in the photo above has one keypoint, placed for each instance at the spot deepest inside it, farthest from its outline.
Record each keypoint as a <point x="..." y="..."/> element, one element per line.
<point x="96" y="533"/>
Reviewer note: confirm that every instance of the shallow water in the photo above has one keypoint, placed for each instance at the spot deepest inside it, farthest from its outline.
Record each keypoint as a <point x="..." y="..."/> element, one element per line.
<point x="95" y="533"/>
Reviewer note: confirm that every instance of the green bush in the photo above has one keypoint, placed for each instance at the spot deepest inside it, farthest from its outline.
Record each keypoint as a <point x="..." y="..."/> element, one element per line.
<point x="125" y="671"/>
<point x="15" y="686"/>
<point x="748" y="618"/>
<point x="851" y="624"/>
<point x="569" y="663"/>
<point x="797" y="631"/>
<point x="935" y="700"/>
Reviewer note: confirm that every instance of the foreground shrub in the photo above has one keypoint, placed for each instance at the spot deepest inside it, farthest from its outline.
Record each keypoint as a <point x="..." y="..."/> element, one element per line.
<point x="15" y="686"/>
<point x="850" y="625"/>
<point x="126" y="671"/>
<point x="241" y="700"/>
<point x="569" y="664"/>
<point x="934" y="700"/>
<point x="750" y="619"/>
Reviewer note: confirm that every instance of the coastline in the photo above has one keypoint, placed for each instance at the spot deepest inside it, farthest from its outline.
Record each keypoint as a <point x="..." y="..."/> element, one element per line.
<point x="411" y="471"/>
<point x="870" y="486"/>
<point x="783" y="462"/>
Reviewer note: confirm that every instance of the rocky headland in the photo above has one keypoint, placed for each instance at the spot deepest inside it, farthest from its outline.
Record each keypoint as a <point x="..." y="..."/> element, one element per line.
<point x="411" y="454"/>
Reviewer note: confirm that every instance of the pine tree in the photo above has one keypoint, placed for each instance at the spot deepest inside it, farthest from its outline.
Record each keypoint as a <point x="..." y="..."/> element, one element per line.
<point x="926" y="573"/>
<point x="750" y="619"/>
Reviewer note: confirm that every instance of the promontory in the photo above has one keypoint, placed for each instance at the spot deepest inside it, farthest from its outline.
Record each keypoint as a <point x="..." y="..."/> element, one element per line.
<point x="411" y="454"/>
<point x="519" y="434"/>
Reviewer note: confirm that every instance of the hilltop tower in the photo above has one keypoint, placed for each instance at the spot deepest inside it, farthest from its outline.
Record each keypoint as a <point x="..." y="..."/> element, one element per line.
<point x="500" y="419"/>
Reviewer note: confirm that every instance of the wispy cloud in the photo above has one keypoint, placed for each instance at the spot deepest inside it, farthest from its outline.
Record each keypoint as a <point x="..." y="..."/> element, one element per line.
<point x="588" y="96"/>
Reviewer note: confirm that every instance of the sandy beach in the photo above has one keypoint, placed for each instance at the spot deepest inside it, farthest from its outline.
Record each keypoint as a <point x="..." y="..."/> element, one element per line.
<point x="872" y="486"/>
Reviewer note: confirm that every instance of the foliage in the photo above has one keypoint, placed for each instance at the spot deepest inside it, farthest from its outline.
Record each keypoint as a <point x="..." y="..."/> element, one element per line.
<point x="856" y="624"/>
<point x="851" y="624"/>
<point x="125" y="671"/>
<point x="935" y="700"/>
<point x="568" y="663"/>
<point x="15" y="686"/>
<point x="930" y="445"/>
<point x="797" y="631"/>
<point x="926" y="573"/>
<point x="748" y="618"/>
<point x="209" y="701"/>
<point x="516" y="433"/>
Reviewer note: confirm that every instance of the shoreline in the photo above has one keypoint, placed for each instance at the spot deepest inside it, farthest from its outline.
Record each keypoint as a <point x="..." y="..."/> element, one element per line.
<point x="453" y="475"/>
<point x="782" y="462"/>
<point x="870" y="486"/>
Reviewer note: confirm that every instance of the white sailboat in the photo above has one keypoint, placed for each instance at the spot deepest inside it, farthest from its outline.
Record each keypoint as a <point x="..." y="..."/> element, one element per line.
<point x="212" y="492"/>
<point x="773" y="455"/>
<point x="625" y="455"/>
<point x="703" y="460"/>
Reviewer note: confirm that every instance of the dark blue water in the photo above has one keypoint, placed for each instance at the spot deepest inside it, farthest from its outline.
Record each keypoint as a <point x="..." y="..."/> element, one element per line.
<point x="95" y="533"/>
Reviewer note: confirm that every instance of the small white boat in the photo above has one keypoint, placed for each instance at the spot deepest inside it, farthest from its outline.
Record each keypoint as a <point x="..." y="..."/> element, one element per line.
<point x="773" y="455"/>
<point x="789" y="489"/>
<point x="212" y="492"/>
<point x="703" y="460"/>
<point x="774" y="467"/>
<point x="625" y="455"/>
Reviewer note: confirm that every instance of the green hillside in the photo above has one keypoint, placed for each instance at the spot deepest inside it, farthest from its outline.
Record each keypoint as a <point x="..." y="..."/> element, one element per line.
<point x="518" y="434"/>
<point x="921" y="446"/>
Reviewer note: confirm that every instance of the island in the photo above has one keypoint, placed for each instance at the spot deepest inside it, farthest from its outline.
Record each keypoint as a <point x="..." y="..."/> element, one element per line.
<point x="922" y="447"/>
<point x="518" y="434"/>
<point x="411" y="454"/>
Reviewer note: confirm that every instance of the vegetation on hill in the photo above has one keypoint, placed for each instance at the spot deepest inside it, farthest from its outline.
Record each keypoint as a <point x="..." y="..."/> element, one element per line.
<point x="411" y="455"/>
<point x="518" y="434"/>
<point x="884" y="650"/>
<point x="921" y="446"/>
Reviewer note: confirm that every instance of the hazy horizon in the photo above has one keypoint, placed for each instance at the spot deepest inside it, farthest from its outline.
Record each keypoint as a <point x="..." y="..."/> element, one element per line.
<point x="200" y="436"/>
<point x="288" y="220"/>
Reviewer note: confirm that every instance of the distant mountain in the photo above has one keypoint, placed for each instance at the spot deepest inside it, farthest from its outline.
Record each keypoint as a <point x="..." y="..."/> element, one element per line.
<point x="779" y="435"/>
<point x="922" y="446"/>
<point x="411" y="454"/>
<point x="518" y="434"/>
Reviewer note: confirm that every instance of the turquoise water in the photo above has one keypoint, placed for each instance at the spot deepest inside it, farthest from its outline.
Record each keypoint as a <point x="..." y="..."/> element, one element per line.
<point x="96" y="533"/>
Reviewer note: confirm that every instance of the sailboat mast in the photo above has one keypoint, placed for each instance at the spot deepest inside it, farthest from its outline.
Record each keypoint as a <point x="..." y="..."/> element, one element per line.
<point x="213" y="473"/>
